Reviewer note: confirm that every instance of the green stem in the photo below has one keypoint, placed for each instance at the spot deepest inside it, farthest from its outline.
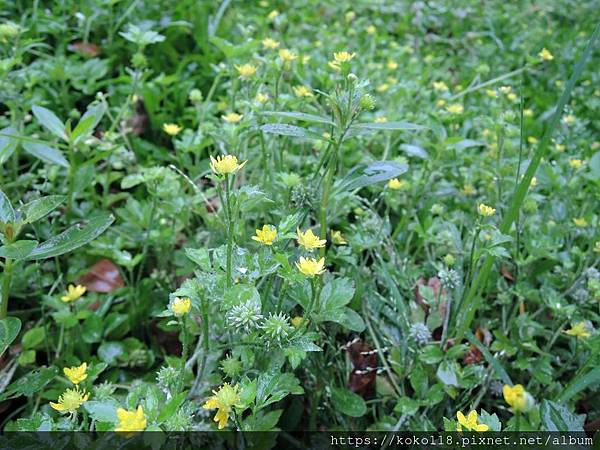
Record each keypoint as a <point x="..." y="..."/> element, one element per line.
<point x="71" y="177"/>
<point x="229" y="233"/>
<point x="6" y="281"/>
<point x="327" y="192"/>
<point x="184" y="353"/>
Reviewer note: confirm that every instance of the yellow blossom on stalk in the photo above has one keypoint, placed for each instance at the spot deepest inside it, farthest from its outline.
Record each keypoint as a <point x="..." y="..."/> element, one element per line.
<point x="440" y="103"/>
<point x="350" y="16"/>
<point x="223" y="401"/>
<point x="532" y="140"/>
<point x="224" y="165"/>
<point x="337" y="238"/>
<point x="579" y="331"/>
<point x="287" y="56"/>
<point x="440" y="86"/>
<point x="534" y="182"/>
<point x="297" y="321"/>
<point x="171" y="129"/>
<point x="73" y="293"/>
<point x="392" y="65"/>
<point x="528" y="112"/>
<point x="310" y="266"/>
<point x="580" y="222"/>
<point x="545" y="55"/>
<point x="343" y="57"/>
<point x="302" y="91"/>
<point x="575" y="163"/>
<point x="560" y="148"/>
<point x="382" y="87"/>
<point x="491" y="93"/>
<point x="266" y="236"/>
<point x="181" y="306"/>
<point x="273" y="14"/>
<point x="455" y="108"/>
<point x="469" y="423"/>
<point x="371" y="29"/>
<point x="380" y="119"/>
<point x="246" y="71"/>
<point x="76" y="374"/>
<point x="270" y="43"/>
<point x="70" y="400"/>
<point x="468" y="189"/>
<point x="232" y="117"/>
<point x="485" y="210"/>
<point x="261" y="98"/>
<point x="309" y="241"/>
<point x="395" y="184"/>
<point x="512" y="96"/>
<point x="516" y="397"/>
<point x="505" y="89"/>
<point x="131" y="421"/>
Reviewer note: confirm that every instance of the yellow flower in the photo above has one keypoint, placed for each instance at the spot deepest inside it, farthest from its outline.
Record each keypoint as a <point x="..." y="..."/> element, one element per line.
<point x="70" y="400"/>
<point x="440" y="103"/>
<point x="131" y="421"/>
<point x="287" y="56"/>
<point x="469" y="423"/>
<point x="308" y="240"/>
<point x="266" y="236"/>
<point x="512" y="96"/>
<point x="223" y="401"/>
<point x="528" y="112"/>
<point x="491" y="93"/>
<point x="576" y="163"/>
<point x="380" y="119"/>
<point x="440" y="86"/>
<point x="337" y="238"/>
<point x="297" y="321"/>
<point x="246" y="71"/>
<point x="171" y="129"/>
<point x="580" y="222"/>
<point x="232" y="117"/>
<point x="468" y="189"/>
<point x="261" y="98"/>
<point x="270" y="43"/>
<point x="532" y="140"/>
<point x="569" y="119"/>
<point x="545" y="55"/>
<point x="455" y="108"/>
<point x="76" y="374"/>
<point x="181" y="306"/>
<point x="350" y="16"/>
<point x="597" y="247"/>
<point x="225" y="164"/>
<point x="310" y="266"/>
<point x="505" y="89"/>
<point x="516" y="397"/>
<point x="73" y="293"/>
<point x="485" y="210"/>
<point x="579" y="331"/>
<point x="392" y="65"/>
<point x="343" y="57"/>
<point x="371" y="29"/>
<point x="395" y="184"/>
<point x="302" y="91"/>
<point x="273" y="14"/>
<point x="534" y="182"/>
<point x="560" y="148"/>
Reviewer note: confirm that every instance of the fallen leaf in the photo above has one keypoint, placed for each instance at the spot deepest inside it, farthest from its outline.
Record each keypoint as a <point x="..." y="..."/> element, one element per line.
<point x="103" y="277"/>
<point x="87" y="49"/>
<point x="364" y="360"/>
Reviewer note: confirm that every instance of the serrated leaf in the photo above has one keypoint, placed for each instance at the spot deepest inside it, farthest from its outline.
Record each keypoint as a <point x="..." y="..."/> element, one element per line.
<point x="38" y="208"/>
<point x="102" y="411"/>
<point x="557" y="417"/>
<point x="9" y="330"/>
<point x="50" y="121"/>
<point x="46" y="153"/>
<point x="72" y="238"/>
<point x="7" y="213"/>
<point x="88" y="123"/>
<point x="8" y="144"/>
<point x="347" y="402"/>
<point x="29" y="384"/>
<point x="299" y="116"/>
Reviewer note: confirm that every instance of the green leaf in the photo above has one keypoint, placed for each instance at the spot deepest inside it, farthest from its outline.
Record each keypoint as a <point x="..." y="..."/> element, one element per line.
<point x="88" y="123"/>
<point x="348" y="318"/>
<point x="33" y="338"/>
<point x="49" y="120"/>
<point x="199" y="256"/>
<point x="407" y="406"/>
<point x="102" y="411"/>
<point x="9" y="330"/>
<point x="299" y="116"/>
<point x="347" y="402"/>
<point x="93" y="328"/>
<point x="110" y="351"/>
<point x="387" y="126"/>
<point x="239" y="294"/>
<point x="171" y="407"/>
<point x="46" y="153"/>
<point x="578" y="384"/>
<point x="73" y="238"/>
<point x="431" y="354"/>
<point x="7" y="144"/>
<point x="38" y="208"/>
<point x="7" y="213"/>
<point x="500" y="372"/>
<point x="414" y="150"/>
<point x="363" y="175"/>
<point x="446" y="373"/>
<point x="336" y="294"/>
<point x="284" y="129"/>
<point x="18" y="249"/>
<point x="557" y="417"/>
<point x="30" y="384"/>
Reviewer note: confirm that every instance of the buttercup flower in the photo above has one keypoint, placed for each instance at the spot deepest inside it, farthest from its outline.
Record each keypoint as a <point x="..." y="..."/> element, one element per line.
<point x="371" y="29"/>
<point x="337" y="238"/>
<point x="343" y="57"/>
<point x="440" y="86"/>
<point x="223" y="401"/>
<point x="224" y="165"/>
<point x="545" y="55"/>
<point x="273" y="14"/>
<point x="485" y="210"/>
<point x="308" y="240"/>
<point x="266" y="236"/>
<point x="302" y="91"/>
<point x="579" y="331"/>
<point x="469" y="423"/>
<point x="297" y="321"/>
<point x="232" y="117"/>
<point x="261" y="98"/>
<point x="580" y="222"/>
<point x="171" y="129"/>
<point x="73" y="293"/>
<point x="246" y="71"/>
<point x="181" y="306"/>
<point x="70" y="400"/>
<point x="528" y="112"/>
<point x="380" y="119"/>
<point x="455" y="108"/>
<point x="517" y="397"/>
<point x="575" y="163"/>
<point x="131" y="421"/>
<point x="270" y="43"/>
<point x="76" y="374"/>
<point x="396" y="184"/>
<point x="310" y="266"/>
<point x="532" y="140"/>
<point x="287" y="56"/>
